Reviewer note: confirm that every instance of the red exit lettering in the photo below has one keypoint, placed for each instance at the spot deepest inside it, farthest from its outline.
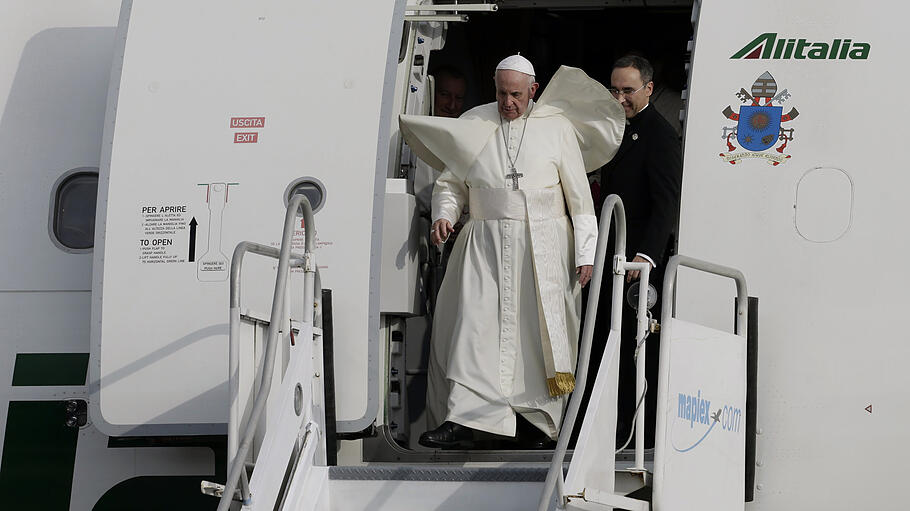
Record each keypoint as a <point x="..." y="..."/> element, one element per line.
<point x="247" y="122"/>
<point x="246" y="138"/>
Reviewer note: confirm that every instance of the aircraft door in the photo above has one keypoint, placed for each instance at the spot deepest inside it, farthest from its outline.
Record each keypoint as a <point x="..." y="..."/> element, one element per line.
<point x="206" y="129"/>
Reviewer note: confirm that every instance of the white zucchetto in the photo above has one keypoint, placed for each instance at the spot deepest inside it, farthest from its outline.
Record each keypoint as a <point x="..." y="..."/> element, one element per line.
<point x="517" y="63"/>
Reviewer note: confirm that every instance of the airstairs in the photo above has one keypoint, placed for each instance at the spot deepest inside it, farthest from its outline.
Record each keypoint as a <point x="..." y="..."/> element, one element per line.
<point x="701" y="415"/>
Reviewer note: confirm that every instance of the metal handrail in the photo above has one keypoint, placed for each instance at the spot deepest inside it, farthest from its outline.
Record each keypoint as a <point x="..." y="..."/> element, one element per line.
<point x="667" y="313"/>
<point x="669" y="286"/>
<point x="240" y="251"/>
<point x="297" y="202"/>
<point x="612" y="206"/>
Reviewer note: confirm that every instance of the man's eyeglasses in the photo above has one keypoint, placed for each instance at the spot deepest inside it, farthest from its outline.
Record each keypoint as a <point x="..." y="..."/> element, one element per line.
<point x="625" y="91"/>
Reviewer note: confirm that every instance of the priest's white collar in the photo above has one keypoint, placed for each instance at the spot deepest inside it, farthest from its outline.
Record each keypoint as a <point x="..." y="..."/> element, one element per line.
<point x="640" y="111"/>
<point x="528" y="110"/>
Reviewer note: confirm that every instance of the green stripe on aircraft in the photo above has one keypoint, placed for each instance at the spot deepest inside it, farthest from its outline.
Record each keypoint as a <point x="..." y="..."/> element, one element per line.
<point x="45" y="369"/>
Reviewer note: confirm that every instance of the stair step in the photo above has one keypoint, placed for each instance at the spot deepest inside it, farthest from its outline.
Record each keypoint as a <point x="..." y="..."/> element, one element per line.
<point x="440" y="473"/>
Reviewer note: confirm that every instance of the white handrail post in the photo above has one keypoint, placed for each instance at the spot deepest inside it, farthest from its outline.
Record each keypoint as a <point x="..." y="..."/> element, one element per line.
<point x="640" y="361"/>
<point x="612" y="207"/>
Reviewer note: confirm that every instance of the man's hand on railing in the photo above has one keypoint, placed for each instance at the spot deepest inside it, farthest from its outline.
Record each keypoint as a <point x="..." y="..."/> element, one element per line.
<point x="633" y="274"/>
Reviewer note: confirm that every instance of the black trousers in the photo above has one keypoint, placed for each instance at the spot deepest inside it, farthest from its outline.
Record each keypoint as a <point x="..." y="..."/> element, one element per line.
<point x="627" y="398"/>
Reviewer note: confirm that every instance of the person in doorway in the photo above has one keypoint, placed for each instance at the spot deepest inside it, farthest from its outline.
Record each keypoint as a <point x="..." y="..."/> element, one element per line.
<point x="448" y="96"/>
<point x="448" y="101"/>
<point x="646" y="173"/>
<point x="505" y="333"/>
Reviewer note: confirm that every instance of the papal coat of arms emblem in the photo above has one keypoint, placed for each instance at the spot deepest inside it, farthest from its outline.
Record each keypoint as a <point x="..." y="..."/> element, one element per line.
<point x="758" y="125"/>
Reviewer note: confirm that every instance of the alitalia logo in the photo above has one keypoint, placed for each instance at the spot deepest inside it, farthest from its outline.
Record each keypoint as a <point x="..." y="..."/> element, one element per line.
<point x="770" y="46"/>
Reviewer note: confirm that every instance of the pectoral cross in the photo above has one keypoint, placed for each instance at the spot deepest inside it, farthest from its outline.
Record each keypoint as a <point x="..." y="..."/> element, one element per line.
<point x="514" y="177"/>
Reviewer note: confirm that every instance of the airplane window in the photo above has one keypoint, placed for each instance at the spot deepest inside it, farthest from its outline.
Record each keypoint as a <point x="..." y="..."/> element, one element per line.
<point x="823" y="210"/>
<point x="73" y="222"/>
<point x="311" y="188"/>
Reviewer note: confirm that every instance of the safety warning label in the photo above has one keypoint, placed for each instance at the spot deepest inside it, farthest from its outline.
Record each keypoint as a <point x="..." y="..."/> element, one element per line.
<point x="163" y="228"/>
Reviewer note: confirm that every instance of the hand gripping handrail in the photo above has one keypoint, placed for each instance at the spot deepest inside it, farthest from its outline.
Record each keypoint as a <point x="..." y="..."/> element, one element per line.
<point x="297" y="202"/>
<point x="612" y="206"/>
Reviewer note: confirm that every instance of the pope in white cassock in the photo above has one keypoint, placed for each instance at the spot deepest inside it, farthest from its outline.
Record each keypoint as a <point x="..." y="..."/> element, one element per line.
<point x="506" y="324"/>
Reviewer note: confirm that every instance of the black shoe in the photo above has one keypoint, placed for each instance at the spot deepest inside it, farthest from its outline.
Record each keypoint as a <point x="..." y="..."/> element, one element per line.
<point x="530" y="436"/>
<point x="543" y="442"/>
<point x="448" y="436"/>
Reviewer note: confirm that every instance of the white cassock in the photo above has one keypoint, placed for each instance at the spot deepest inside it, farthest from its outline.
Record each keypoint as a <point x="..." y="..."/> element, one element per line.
<point x="506" y="324"/>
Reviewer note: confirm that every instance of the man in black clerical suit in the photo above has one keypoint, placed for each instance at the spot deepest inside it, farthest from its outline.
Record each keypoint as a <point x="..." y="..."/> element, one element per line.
<point x="646" y="173"/>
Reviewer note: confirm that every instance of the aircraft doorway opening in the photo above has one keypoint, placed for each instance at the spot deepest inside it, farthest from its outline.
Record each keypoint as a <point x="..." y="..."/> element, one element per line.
<point x="582" y="34"/>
